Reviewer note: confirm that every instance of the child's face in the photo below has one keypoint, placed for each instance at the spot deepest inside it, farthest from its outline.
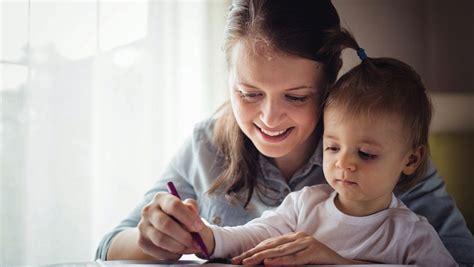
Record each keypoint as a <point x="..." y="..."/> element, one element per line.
<point x="364" y="157"/>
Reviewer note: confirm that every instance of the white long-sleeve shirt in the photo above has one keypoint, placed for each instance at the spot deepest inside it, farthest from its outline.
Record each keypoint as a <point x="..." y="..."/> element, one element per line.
<point x="395" y="235"/>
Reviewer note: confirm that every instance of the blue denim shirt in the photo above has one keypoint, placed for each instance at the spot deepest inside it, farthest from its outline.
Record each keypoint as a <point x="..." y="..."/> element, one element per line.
<point x="197" y="164"/>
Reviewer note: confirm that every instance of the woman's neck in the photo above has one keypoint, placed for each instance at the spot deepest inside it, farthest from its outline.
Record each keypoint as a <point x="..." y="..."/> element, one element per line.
<point x="295" y="160"/>
<point x="288" y="166"/>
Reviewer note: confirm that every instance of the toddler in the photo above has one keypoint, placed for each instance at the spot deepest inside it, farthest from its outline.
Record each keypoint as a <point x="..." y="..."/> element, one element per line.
<point x="376" y="124"/>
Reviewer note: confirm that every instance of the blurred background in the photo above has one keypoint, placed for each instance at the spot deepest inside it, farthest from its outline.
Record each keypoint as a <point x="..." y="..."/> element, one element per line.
<point x="96" y="96"/>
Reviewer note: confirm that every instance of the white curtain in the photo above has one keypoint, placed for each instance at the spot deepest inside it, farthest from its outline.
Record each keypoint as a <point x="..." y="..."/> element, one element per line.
<point x="96" y="96"/>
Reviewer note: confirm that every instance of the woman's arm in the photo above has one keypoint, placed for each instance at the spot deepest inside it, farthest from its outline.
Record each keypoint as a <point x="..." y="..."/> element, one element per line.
<point x="150" y="239"/>
<point x="144" y="230"/>
<point x="125" y="246"/>
<point x="122" y="237"/>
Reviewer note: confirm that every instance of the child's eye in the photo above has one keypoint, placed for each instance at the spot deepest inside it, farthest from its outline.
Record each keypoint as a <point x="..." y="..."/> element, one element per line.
<point x="297" y="98"/>
<point x="332" y="149"/>
<point x="365" y="155"/>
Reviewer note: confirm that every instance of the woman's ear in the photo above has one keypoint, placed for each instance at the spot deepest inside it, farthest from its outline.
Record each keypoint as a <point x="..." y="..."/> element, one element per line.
<point x="413" y="159"/>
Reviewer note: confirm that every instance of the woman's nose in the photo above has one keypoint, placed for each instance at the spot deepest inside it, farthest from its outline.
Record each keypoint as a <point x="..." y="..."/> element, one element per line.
<point x="346" y="161"/>
<point x="271" y="113"/>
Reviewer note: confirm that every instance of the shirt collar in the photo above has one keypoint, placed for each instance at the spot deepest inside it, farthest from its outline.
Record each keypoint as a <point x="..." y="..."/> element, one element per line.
<point x="315" y="159"/>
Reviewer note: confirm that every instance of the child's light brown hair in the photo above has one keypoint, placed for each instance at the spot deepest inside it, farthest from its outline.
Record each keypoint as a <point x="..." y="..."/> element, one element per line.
<point x="385" y="86"/>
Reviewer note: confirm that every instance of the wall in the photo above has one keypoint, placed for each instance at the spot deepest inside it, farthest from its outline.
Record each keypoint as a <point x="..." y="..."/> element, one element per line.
<point x="435" y="37"/>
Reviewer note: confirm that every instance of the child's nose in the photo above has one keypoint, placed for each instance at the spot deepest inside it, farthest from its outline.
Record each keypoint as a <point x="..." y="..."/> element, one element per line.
<point x="346" y="162"/>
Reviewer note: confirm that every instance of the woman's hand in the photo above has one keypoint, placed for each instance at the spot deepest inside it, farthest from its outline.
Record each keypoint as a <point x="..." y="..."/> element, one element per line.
<point x="206" y="233"/>
<point x="165" y="226"/>
<point x="290" y="249"/>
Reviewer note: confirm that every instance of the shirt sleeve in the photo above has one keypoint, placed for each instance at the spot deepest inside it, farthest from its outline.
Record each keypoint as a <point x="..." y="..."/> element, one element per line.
<point x="425" y="248"/>
<point x="177" y="171"/>
<point x="430" y="199"/>
<point x="232" y="241"/>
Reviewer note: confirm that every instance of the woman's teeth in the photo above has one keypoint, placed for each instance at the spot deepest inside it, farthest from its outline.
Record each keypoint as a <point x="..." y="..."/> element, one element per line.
<point x="270" y="133"/>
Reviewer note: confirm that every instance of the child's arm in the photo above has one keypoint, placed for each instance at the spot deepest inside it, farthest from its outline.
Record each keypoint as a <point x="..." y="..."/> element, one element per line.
<point x="291" y="249"/>
<point x="227" y="242"/>
<point x="231" y="239"/>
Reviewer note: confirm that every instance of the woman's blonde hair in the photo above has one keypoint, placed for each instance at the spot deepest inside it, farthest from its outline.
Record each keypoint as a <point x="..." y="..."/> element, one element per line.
<point x="296" y="28"/>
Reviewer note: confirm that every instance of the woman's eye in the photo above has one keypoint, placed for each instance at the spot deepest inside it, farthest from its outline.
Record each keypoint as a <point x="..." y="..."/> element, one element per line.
<point x="297" y="98"/>
<point x="249" y="97"/>
<point x="365" y="155"/>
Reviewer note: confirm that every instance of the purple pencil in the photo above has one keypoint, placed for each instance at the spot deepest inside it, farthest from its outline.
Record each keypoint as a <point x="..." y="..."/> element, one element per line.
<point x="196" y="237"/>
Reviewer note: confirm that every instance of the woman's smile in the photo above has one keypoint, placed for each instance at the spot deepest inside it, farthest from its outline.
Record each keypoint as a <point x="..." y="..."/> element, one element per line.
<point x="274" y="136"/>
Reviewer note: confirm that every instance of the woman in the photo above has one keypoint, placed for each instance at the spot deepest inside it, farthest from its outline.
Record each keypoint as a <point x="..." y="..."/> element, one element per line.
<point x="265" y="142"/>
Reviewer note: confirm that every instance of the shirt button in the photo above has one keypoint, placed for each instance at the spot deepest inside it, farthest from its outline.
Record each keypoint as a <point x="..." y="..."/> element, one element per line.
<point x="216" y="220"/>
<point x="286" y="191"/>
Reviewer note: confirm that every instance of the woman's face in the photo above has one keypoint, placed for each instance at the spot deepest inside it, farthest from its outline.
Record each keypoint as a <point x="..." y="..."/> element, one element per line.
<point x="275" y="99"/>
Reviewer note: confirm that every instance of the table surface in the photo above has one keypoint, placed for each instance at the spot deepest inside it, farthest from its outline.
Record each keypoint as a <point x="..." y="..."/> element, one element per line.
<point x="164" y="263"/>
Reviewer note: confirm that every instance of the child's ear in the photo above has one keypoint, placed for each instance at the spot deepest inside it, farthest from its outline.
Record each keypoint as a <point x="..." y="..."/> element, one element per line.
<point x="413" y="160"/>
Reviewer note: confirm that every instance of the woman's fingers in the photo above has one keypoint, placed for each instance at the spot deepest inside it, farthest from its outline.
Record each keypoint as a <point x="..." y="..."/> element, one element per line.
<point x="168" y="226"/>
<point x="192" y="204"/>
<point x="157" y="252"/>
<point x="164" y="240"/>
<point x="163" y="229"/>
<point x="174" y="207"/>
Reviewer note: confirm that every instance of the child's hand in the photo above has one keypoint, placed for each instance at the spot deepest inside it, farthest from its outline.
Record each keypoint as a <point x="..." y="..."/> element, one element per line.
<point x="290" y="249"/>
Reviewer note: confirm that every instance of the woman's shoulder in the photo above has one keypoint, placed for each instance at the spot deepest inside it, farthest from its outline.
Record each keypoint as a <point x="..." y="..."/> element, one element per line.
<point x="203" y="131"/>
<point x="203" y="135"/>
<point x="202" y="143"/>
<point x="198" y="147"/>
